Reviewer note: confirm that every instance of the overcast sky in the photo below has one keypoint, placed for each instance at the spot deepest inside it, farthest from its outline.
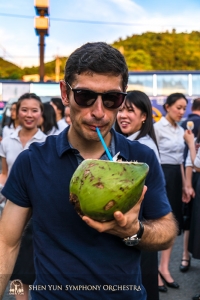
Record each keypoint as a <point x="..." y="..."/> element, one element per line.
<point x="73" y="23"/>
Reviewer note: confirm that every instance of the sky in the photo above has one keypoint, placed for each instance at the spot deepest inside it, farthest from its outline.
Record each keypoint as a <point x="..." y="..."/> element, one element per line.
<point x="73" y="23"/>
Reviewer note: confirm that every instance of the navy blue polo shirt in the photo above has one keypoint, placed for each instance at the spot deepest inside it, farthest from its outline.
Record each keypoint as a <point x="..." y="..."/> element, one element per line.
<point x="72" y="260"/>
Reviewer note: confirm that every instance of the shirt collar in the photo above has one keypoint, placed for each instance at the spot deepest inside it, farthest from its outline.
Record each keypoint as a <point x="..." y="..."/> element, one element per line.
<point x="62" y="143"/>
<point x="121" y="145"/>
<point x="164" y="121"/>
<point x="38" y="135"/>
<point x="133" y="136"/>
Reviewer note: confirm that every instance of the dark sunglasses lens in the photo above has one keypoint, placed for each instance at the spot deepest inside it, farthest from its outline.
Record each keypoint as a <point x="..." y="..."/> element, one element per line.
<point x="84" y="98"/>
<point x="113" y="100"/>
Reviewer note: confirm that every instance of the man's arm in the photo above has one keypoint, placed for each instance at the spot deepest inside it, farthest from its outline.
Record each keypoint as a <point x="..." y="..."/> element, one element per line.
<point x="12" y="223"/>
<point x="158" y="234"/>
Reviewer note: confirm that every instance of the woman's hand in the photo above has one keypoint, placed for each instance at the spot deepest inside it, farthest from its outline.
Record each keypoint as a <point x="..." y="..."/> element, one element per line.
<point x="188" y="137"/>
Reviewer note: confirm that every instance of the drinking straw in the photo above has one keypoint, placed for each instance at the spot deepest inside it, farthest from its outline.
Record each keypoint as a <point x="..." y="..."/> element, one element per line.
<point x="104" y="144"/>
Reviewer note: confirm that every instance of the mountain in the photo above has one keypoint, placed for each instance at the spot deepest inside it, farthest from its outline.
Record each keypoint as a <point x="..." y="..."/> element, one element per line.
<point x="9" y="70"/>
<point x="161" y="51"/>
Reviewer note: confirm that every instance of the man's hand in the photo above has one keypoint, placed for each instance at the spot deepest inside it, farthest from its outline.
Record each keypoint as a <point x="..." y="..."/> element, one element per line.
<point x="123" y="225"/>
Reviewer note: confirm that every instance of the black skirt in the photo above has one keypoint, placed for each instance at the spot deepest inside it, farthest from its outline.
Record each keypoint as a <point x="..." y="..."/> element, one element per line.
<point x="149" y="269"/>
<point x="24" y="266"/>
<point x="194" y="238"/>
<point x="173" y="180"/>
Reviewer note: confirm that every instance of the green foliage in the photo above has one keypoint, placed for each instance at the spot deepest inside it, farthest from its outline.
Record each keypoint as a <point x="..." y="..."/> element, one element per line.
<point x="9" y="70"/>
<point x="138" y="60"/>
<point x="161" y="51"/>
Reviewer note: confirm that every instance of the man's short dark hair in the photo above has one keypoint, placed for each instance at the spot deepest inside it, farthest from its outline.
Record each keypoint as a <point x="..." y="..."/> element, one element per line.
<point x="99" y="58"/>
<point x="196" y="104"/>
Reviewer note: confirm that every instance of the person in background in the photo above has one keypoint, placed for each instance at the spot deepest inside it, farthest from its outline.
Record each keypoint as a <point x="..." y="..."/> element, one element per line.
<point x="67" y="115"/>
<point x="169" y="135"/>
<point x="13" y="123"/>
<point x="193" y="162"/>
<point x="187" y="207"/>
<point x="134" y="120"/>
<point x="59" y="110"/>
<point x="72" y="250"/>
<point x="48" y="123"/>
<point x="28" y="111"/>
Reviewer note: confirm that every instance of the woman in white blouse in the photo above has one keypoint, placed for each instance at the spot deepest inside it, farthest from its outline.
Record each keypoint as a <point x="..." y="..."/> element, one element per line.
<point x="59" y="110"/>
<point x="170" y="140"/>
<point x="13" y="123"/>
<point x="48" y="123"/>
<point x="29" y="110"/>
<point x="134" y="120"/>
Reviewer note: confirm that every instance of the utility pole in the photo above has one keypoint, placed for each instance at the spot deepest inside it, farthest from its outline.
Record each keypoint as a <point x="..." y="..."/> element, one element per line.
<point x="57" y="69"/>
<point x="42" y="29"/>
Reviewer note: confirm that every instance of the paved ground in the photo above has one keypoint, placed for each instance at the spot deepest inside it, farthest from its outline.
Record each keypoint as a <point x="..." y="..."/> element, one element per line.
<point x="189" y="282"/>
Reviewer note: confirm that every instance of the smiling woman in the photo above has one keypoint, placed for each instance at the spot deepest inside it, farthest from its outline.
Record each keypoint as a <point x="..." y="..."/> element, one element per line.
<point x="134" y="120"/>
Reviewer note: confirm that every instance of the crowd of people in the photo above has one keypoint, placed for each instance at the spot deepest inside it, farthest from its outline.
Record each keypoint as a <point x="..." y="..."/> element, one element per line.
<point x="43" y="240"/>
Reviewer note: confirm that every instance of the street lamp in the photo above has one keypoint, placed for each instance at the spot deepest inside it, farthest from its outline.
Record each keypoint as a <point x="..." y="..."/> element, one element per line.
<point x="42" y="28"/>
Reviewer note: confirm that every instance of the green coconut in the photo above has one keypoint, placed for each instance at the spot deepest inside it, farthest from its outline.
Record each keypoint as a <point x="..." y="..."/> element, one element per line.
<point x="98" y="188"/>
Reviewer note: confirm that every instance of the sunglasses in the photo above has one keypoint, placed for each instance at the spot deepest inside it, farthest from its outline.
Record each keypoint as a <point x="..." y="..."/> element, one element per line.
<point x="86" y="98"/>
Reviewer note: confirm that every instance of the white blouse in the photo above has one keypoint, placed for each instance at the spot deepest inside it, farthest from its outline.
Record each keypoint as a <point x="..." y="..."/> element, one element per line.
<point x="188" y="161"/>
<point x="11" y="146"/>
<point x="6" y="131"/>
<point x="170" y="142"/>
<point x="62" y="124"/>
<point x="146" y="140"/>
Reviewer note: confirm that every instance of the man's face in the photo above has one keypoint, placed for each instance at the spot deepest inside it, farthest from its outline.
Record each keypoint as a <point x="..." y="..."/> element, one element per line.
<point x="86" y="119"/>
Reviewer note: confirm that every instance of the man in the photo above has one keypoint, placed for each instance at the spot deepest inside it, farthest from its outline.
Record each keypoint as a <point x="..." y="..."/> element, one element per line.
<point x="195" y="118"/>
<point x="79" y="258"/>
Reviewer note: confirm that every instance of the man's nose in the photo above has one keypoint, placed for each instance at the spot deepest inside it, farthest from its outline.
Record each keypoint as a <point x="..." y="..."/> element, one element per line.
<point x="98" y="109"/>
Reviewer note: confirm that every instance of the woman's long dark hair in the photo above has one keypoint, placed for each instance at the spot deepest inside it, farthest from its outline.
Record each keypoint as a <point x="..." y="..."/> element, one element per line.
<point x="142" y="102"/>
<point x="11" y="121"/>
<point x="49" y="117"/>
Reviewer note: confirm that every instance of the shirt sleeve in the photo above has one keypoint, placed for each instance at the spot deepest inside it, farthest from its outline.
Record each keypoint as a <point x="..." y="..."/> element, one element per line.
<point x="2" y="149"/>
<point x="197" y="159"/>
<point x="15" y="188"/>
<point x="5" y="131"/>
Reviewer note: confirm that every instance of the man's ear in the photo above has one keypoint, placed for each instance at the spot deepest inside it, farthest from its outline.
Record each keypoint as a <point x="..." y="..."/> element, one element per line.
<point x="63" y="90"/>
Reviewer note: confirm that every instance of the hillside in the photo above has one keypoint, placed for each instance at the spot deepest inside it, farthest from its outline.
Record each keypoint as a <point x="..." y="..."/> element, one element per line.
<point x="161" y="51"/>
<point x="9" y="70"/>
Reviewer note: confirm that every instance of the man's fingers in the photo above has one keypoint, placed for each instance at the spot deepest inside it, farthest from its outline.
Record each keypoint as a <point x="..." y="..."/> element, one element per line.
<point x="97" y="225"/>
<point x="120" y="218"/>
